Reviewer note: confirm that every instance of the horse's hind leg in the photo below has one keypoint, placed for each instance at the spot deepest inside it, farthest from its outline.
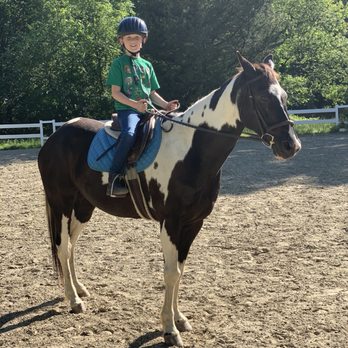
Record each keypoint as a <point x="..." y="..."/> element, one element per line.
<point x="66" y="260"/>
<point x="64" y="230"/>
<point x="75" y="229"/>
<point x="80" y="215"/>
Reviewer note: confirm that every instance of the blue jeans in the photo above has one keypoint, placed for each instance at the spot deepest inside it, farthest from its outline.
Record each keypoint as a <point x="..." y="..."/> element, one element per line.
<point x="128" y="120"/>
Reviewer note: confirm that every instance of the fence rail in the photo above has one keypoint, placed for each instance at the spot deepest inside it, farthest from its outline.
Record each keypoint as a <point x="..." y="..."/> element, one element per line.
<point x="39" y="125"/>
<point x="54" y="124"/>
<point x="334" y="110"/>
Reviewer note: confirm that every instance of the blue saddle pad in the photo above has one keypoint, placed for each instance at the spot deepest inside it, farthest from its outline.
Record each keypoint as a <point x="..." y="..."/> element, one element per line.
<point x="102" y="141"/>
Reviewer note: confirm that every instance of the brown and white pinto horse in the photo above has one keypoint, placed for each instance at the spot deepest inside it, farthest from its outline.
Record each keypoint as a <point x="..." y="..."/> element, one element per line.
<point x="181" y="186"/>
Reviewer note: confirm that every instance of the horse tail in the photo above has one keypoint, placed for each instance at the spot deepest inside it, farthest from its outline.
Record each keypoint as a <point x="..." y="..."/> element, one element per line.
<point x="54" y="232"/>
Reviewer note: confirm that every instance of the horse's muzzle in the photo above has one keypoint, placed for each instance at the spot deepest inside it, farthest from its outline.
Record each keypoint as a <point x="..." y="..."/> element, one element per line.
<point x="287" y="148"/>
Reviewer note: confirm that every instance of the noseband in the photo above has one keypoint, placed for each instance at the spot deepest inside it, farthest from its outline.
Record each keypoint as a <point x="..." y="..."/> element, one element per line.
<point x="266" y="137"/>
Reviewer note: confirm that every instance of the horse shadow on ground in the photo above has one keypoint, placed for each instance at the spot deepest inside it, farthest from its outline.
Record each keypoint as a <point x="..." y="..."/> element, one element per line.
<point x="7" y="318"/>
<point x="15" y="156"/>
<point x="323" y="161"/>
<point x="142" y="341"/>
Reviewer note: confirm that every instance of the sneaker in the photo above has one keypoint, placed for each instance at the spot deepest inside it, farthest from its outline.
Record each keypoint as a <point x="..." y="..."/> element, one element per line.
<point x="116" y="186"/>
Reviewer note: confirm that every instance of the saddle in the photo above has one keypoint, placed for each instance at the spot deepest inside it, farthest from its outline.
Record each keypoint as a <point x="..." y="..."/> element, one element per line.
<point x="144" y="133"/>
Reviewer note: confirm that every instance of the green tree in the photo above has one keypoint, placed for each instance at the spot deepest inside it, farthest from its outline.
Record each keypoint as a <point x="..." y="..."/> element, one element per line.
<point x="54" y="62"/>
<point x="193" y="43"/>
<point x="310" y="42"/>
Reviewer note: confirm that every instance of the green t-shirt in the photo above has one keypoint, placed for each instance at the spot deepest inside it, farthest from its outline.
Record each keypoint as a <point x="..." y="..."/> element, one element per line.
<point x="135" y="76"/>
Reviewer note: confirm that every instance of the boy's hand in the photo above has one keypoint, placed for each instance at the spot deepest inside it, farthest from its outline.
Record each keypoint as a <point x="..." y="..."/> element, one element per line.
<point x="141" y="105"/>
<point x="172" y="105"/>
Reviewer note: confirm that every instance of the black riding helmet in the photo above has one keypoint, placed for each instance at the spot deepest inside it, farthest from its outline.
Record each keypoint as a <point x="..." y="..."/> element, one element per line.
<point x="133" y="25"/>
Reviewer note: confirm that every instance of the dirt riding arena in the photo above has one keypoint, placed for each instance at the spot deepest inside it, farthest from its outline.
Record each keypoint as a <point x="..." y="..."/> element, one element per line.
<point x="268" y="269"/>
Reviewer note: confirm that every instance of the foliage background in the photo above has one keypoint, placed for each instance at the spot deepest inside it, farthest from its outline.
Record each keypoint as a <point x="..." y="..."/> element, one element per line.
<point x="55" y="54"/>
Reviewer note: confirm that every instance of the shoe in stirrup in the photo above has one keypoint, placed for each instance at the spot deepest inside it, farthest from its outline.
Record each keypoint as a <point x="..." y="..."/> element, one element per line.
<point x="116" y="186"/>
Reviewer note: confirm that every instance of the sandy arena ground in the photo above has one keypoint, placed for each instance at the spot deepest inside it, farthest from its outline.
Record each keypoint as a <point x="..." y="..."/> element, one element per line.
<point x="268" y="269"/>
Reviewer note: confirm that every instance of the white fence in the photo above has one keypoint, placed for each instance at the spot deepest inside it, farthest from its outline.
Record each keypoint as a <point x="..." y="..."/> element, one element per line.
<point x="54" y="124"/>
<point x="334" y="110"/>
<point x="39" y="126"/>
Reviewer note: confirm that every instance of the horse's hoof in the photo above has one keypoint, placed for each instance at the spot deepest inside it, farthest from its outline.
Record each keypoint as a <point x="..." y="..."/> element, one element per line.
<point x="173" y="339"/>
<point x="78" y="308"/>
<point x="183" y="325"/>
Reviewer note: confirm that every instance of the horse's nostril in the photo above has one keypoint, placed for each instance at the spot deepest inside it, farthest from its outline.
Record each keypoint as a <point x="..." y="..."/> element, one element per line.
<point x="288" y="145"/>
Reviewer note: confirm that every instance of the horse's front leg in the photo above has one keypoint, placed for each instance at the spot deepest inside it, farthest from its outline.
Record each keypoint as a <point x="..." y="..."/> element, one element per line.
<point x="188" y="234"/>
<point x="65" y="254"/>
<point x="181" y="322"/>
<point x="171" y="278"/>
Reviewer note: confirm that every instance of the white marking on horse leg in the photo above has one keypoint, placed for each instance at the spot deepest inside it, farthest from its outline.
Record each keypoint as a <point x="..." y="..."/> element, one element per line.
<point x="171" y="277"/>
<point x="75" y="229"/>
<point x="64" y="254"/>
<point x="181" y="322"/>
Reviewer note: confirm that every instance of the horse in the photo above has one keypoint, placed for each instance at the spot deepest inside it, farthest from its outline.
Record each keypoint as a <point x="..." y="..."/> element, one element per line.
<point x="181" y="186"/>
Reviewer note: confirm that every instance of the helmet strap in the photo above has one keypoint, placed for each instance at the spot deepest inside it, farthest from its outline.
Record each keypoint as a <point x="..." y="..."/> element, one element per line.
<point x="134" y="54"/>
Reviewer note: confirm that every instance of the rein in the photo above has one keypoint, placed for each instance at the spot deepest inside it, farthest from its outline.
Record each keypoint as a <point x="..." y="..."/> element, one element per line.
<point x="164" y="116"/>
<point x="245" y="135"/>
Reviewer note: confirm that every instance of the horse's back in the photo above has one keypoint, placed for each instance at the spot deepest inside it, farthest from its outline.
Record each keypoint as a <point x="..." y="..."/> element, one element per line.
<point x="69" y="143"/>
<point x="75" y="135"/>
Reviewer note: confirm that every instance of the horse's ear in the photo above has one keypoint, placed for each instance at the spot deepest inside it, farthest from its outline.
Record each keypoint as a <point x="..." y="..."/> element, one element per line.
<point x="246" y="65"/>
<point x="269" y="61"/>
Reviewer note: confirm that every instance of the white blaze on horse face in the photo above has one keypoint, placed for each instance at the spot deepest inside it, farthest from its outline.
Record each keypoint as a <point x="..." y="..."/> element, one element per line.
<point x="276" y="90"/>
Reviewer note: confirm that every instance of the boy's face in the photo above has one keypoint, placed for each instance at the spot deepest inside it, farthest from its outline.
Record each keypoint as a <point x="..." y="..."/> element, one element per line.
<point x="132" y="42"/>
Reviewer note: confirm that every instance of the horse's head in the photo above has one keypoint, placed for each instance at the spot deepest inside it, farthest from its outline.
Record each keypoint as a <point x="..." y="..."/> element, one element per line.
<point x="262" y="106"/>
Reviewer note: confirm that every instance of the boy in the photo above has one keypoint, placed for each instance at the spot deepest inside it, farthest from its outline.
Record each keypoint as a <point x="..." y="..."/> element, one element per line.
<point x="133" y="83"/>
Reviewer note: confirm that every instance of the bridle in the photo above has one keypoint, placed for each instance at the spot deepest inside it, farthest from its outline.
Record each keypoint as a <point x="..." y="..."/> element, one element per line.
<point x="266" y="137"/>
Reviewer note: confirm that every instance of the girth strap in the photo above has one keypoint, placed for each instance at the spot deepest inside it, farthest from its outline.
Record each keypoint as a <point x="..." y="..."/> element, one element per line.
<point x="137" y="194"/>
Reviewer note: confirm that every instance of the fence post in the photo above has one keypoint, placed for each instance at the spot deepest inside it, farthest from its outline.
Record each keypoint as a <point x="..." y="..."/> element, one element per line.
<point x="41" y="133"/>
<point x="337" y="115"/>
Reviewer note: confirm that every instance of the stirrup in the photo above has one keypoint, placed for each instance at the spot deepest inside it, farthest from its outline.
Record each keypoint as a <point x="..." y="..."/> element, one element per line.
<point x="116" y="188"/>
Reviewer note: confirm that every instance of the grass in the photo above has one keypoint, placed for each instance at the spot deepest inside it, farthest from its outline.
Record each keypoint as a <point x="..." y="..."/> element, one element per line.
<point x="13" y="144"/>
<point x="313" y="129"/>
